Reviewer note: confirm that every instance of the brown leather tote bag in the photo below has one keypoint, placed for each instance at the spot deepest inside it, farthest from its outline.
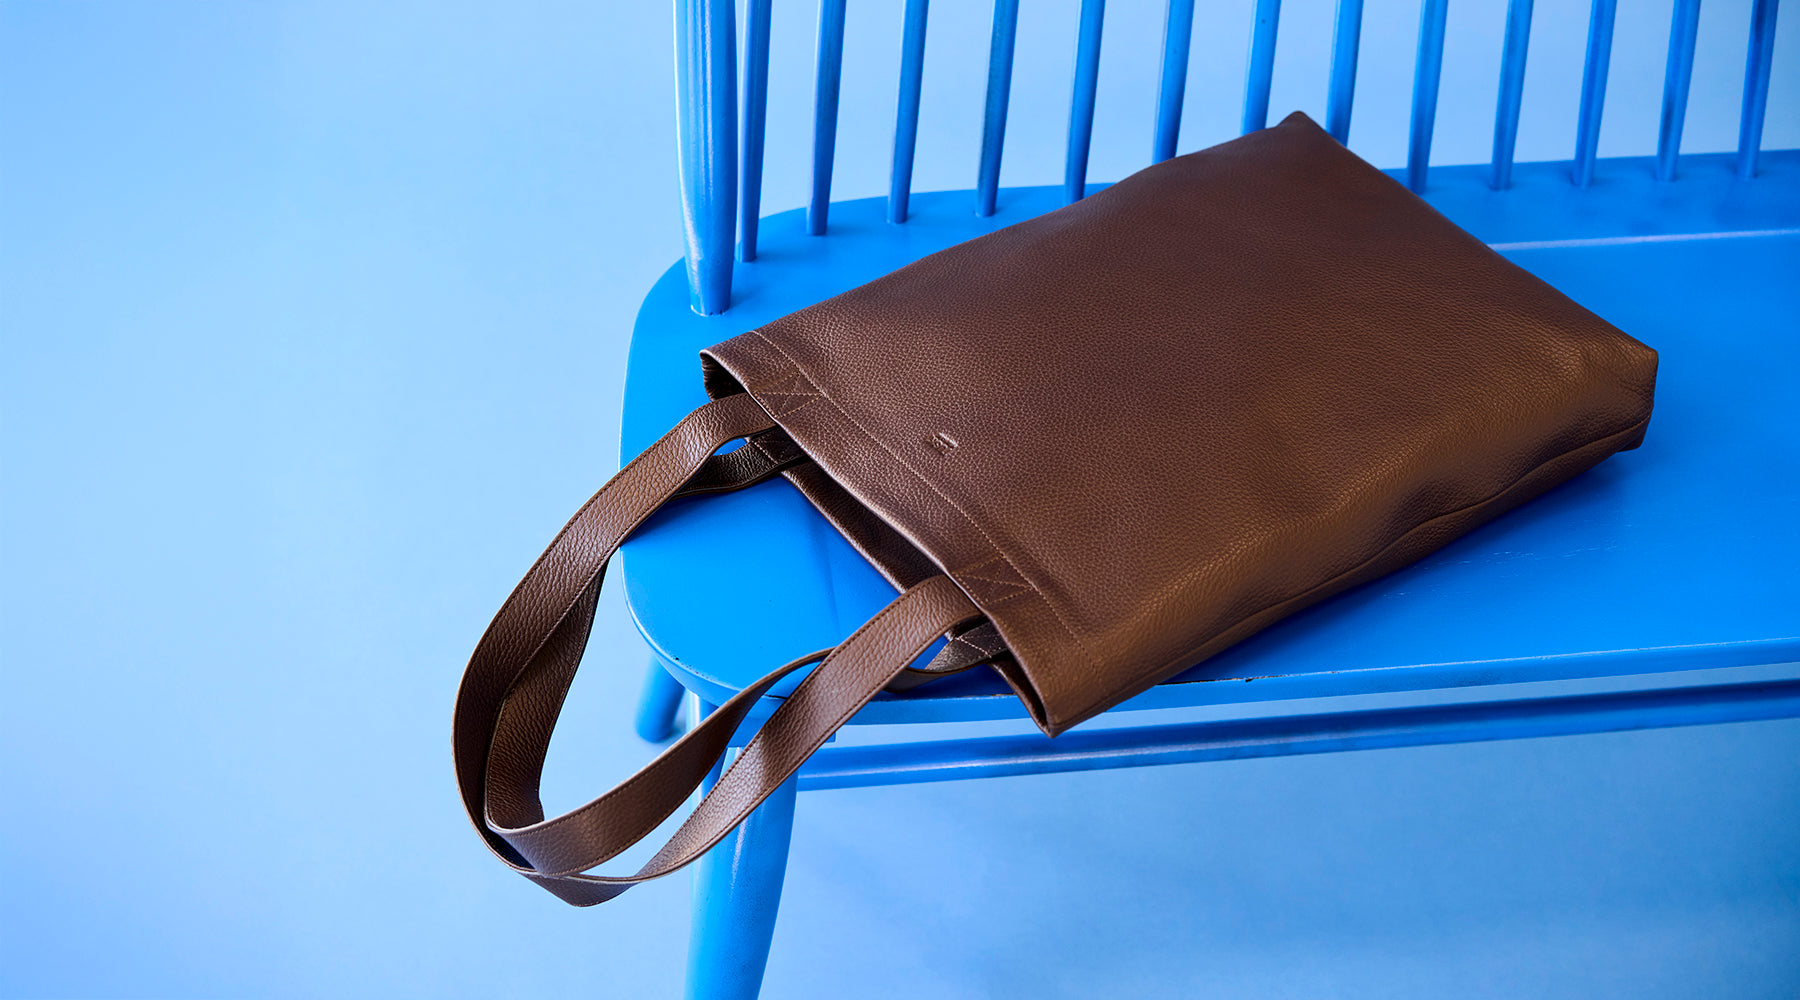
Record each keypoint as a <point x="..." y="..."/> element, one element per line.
<point x="1096" y="447"/>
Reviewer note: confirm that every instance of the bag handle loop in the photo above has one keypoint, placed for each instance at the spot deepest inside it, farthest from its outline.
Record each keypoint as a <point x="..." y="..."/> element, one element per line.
<point x="520" y="672"/>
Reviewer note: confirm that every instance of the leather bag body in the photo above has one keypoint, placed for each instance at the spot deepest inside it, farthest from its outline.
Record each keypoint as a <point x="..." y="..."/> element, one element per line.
<point x="1113" y="439"/>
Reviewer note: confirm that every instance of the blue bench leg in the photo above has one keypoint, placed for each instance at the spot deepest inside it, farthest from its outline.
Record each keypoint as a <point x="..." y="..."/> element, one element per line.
<point x="658" y="704"/>
<point x="737" y="889"/>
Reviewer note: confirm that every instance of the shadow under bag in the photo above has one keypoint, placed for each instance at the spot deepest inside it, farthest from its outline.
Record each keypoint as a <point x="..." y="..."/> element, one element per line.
<point x="1095" y="448"/>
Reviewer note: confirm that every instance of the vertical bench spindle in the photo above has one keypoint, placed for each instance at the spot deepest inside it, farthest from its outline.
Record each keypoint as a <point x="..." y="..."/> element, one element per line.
<point x="1756" y="85"/>
<point x="999" y="92"/>
<point x="1426" y="72"/>
<point x="706" y="120"/>
<point x="1346" y="39"/>
<point x="906" y="117"/>
<point x="1512" y="90"/>
<point x="1081" y="104"/>
<point x="1178" y="37"/>
<point x="756" y="108"/>
<point x="1593" y="89"/>
<point x="825" y="112"/>
<point x="1264" y="25"/>
<point x="1684" y="26"/>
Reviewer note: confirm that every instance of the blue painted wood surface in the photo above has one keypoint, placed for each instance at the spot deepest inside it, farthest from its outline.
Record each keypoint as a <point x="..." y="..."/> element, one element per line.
<point x="1081" y="103"/>
<point x="828" y="83"/>
<point x="706" y="110"/>
<point x="736" y="897"/>
<point x="1601" y="577"/>
<point x="1265" y="22"/>
<point x="1757" y="66"/>
<point x="906" y="114"/>
<point x="1346" y="43"/>
<point x="1593" y="89"/>
<point x="999" y="97"/>
<point x="755" y="122"/>
<point x="659" y="703"/>
<point x="1428" y="68"/>
<point x="1171" y="90"/>
<point x="1291" y="735"/>
<point x="1678" y="76"/>
<point x="1512" y="91"/>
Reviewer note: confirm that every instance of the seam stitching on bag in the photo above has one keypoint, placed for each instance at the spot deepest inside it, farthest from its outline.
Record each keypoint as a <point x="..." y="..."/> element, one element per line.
<point x="806" y="398"/>
<point x="784" y="389"/>
<point x="998" y="551"/>
<point x="1013" y="588"/>
<point x="979" y="647"/>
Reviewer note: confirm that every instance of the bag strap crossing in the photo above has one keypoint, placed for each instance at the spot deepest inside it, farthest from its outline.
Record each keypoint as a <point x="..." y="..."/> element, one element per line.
<point x="520" y="672"/>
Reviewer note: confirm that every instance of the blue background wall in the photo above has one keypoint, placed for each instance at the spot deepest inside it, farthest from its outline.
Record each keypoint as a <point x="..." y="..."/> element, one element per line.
<point x="305" y="309"/>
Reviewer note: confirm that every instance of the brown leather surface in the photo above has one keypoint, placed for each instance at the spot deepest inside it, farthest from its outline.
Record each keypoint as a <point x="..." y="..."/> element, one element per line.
<point x="1132" y="432"/>
<point x="1139" y="428"/>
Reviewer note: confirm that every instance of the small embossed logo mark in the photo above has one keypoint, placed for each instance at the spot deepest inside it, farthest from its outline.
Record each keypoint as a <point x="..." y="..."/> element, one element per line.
<point x="944" y="443"/>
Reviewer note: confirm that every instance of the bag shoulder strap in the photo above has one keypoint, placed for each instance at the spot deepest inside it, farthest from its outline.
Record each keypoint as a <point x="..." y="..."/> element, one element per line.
<point x="520" y="672"/>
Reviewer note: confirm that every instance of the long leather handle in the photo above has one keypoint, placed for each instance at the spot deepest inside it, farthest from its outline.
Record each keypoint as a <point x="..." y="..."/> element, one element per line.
<point x="521" y="670"/>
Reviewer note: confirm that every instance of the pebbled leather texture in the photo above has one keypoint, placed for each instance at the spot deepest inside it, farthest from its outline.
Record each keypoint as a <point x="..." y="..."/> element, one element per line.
<point x="1140" y="428"/>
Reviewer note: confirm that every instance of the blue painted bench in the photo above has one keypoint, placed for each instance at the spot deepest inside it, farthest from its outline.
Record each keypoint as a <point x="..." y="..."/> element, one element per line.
<point x="1681" y="556"/>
